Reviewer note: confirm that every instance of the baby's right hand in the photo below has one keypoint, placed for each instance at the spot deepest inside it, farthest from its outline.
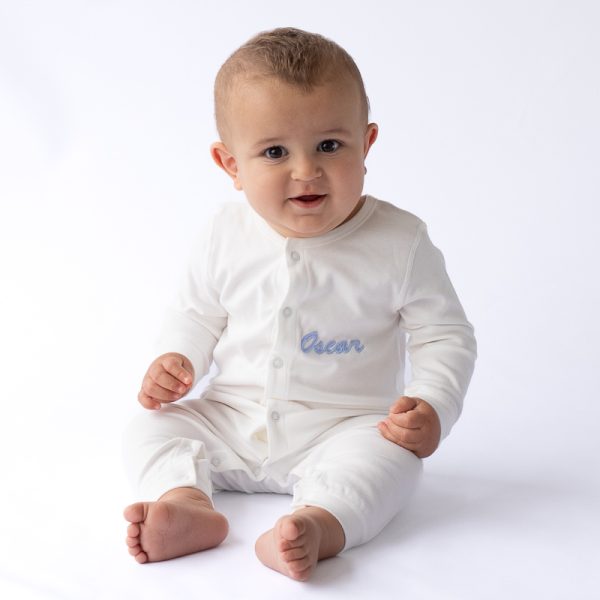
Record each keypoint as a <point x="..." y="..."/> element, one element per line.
<point x="168" y="379"/>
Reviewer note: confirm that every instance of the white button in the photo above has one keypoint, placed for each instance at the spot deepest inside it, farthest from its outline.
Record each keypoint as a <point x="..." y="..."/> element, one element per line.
<point x="275" y="415"/>
<point x="287" y="311"/>
<point x="215" y="462"/>
<point x="295" y="256"/>
<point x="277" y="362"/>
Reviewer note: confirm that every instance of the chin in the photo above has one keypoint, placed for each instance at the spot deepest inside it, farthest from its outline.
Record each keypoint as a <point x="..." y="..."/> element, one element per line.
<point x="309" y="232"/>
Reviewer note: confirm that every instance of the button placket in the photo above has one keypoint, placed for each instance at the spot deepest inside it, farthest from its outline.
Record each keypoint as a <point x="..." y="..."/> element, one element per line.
<point x="282" y="352"/>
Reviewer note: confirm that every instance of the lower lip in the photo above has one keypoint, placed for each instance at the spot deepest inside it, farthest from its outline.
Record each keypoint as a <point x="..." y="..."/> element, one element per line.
<point x="308" y="203"/>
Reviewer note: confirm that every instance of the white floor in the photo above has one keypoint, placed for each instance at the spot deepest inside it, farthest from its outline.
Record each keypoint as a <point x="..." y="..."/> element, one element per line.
<point x="476" y="530"/>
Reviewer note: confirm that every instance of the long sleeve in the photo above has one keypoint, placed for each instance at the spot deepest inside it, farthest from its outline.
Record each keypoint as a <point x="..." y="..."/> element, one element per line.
<point x="441" y="344"/>
<point x="196" y="319"/>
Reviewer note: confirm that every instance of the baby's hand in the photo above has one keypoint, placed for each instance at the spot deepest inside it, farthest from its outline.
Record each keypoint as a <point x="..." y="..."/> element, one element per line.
<point x="412" y="424"/>
<point x="168" y="378"/>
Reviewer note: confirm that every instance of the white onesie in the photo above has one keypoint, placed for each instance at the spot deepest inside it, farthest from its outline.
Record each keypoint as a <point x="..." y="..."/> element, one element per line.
<point x="309" y="337"/>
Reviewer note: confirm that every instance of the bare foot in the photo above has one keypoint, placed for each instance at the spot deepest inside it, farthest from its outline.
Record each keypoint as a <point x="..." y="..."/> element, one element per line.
<point x="181" y="522"/>
<point x="298" y="541"/>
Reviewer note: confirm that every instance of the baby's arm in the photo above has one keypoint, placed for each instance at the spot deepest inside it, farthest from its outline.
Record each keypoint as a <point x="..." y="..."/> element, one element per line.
<point x="168" y="379"/>
<point x="413" y="424"/>
<point x="192" y="327"/>
<point x="442" y="350"/>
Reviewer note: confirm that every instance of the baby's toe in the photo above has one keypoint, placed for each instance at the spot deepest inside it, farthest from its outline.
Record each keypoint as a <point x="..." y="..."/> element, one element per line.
<point x="135" y="513"/>
<point x="291" y="528"/>
<point x="133" y="531"/>
<point x="301" y="569"/>
<point x="138" y="554"/>
<point x="294" y="554"/>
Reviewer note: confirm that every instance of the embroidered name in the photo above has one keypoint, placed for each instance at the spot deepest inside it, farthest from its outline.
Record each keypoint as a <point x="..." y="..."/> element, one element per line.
<point x="311" y="343"/>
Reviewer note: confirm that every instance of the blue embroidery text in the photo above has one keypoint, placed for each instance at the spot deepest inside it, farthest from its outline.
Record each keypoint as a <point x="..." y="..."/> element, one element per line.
<point x="311" y="343"/>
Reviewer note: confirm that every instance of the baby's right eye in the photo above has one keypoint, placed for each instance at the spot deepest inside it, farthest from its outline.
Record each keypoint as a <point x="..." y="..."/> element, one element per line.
<point x="275" y="152"/>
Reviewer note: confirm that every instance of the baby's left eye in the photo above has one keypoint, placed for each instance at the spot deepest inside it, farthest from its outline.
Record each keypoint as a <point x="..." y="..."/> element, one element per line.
<point x="329" y="146"/>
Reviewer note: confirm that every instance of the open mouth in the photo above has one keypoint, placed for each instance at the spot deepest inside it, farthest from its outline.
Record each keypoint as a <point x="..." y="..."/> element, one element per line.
<point x="308" y="200"/>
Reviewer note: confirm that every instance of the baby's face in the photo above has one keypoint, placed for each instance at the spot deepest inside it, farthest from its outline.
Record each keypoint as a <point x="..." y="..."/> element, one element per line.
<point x="298" y="157"/>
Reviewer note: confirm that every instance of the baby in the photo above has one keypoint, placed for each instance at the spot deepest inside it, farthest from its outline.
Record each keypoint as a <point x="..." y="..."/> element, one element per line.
<point x="306" y="298"/>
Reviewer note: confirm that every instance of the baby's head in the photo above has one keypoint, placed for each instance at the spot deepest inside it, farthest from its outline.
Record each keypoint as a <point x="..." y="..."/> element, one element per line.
<point x="292" y="114"/>
<point x="301" y="59"/>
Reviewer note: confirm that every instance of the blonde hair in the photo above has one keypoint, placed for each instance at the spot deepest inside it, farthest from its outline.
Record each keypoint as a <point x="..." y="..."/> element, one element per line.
<point x="291" y="55"/>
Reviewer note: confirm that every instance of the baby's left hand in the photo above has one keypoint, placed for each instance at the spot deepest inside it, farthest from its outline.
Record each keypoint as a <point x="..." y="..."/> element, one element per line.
<point x="412" y="424"/>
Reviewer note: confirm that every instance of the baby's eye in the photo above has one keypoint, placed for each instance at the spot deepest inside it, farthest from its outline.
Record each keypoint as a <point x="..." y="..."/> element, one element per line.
<point x="329" y="146"/>
<point x="275" y="152"/>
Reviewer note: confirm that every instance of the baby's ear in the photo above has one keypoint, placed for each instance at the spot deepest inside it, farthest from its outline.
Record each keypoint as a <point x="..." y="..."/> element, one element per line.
<point x="370" y="136"/>
<point x="226" y="161"/>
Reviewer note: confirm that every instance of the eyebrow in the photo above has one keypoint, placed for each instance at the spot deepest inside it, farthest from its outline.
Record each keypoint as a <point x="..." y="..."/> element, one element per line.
<point x="328" y="132"/>
<point x="266" y="142"/>
<point x="337" y="131"/>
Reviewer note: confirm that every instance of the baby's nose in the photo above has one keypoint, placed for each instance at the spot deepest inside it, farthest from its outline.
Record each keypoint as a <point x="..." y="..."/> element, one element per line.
<point x="305" y="169"/>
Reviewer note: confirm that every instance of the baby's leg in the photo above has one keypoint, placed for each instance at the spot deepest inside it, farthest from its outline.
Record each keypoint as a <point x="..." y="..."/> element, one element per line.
<point x="350" y="487"/>
<point x="182" y="521"/>
<point x="167" y="460"/>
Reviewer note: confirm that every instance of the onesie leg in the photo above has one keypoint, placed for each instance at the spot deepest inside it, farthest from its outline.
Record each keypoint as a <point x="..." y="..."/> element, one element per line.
<point x="167" y="462"/>
<point x="167" y="449"/>
<point x="360" y="478"/>
<point x="350" y="487"/>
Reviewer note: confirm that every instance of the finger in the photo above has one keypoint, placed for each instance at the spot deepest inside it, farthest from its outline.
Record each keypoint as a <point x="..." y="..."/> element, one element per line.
<point x="147" y="401"/>
<point x="387" y="434"/>
<point x="403" y="404"/>
<point x="158" y="392"/>
<point x="413" y="419"/>
<point x="402" y="435"/>
<point x="165" y="380"/>
<point x="153" y="390"/>
<point x="174" y="367"/>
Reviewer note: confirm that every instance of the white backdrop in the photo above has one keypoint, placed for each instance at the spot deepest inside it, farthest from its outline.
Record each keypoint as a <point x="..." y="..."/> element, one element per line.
<point x="489" y="131"/>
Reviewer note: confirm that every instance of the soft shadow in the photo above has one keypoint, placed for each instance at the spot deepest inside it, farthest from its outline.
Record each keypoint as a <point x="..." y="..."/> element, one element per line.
<point x="443" y="505"/>
<point x="445" y="501"/>
<point x="330" y="572"/>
